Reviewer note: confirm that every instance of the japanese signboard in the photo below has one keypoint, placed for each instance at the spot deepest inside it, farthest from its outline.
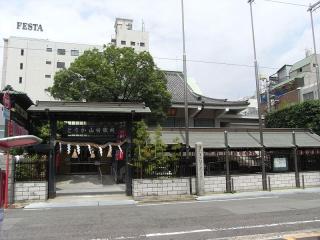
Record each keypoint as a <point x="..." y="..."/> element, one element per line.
<point x="110" y="130"/>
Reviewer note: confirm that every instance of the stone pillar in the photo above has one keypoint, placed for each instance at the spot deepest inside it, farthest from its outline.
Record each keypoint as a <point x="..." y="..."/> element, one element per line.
<point x="200" y="169"/>
<point x="52" y="165"/>
<point x="295" y="158"/>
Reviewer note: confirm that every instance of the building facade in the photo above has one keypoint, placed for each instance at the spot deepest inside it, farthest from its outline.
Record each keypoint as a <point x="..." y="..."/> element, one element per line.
<point x="29" y="64"/>
<point x="125" y="36"/>
<point x="292" y="84"/>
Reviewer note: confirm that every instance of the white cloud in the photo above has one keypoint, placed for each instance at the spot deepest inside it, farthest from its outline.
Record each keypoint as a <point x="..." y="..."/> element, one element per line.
<point x="217" y="31"/>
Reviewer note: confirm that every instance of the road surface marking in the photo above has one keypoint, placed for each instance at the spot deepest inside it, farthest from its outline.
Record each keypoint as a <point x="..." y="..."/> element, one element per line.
<point x="150" y="235"/>
<point x="204" y="201"/>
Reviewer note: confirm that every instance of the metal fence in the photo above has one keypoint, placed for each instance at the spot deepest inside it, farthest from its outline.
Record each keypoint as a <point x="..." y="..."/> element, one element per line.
<point x="31" y="170"/>
<point x="241" y="161"/>
<point x="157" y="169"/>
<point x="309" y="159"/>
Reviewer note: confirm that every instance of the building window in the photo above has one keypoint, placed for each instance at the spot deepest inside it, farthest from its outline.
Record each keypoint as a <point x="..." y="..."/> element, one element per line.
<point x="113" y="40"/>
<point x="61" y="65"/>
<point x="142" y="44"/>
<point x="48" y="62"/>
<point x="21" y="66"/>
<point x="49" y="49"/>
<point x="47" y="76"/>
<point x="308" y="96"/>
<point x="22" y="52"/>
<point x="133" y="43"/>
<point x="61" y="51"/>
<point x="20" y="80"/>
<point x="123" y="42"/>
<point x="300" y="69"/>
<point x="74" y="52"/>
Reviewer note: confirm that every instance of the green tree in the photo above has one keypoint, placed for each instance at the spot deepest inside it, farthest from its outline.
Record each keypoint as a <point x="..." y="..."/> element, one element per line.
<point x="303" y="115"/>
<point x="151" y="153"/>
<point x="115" y="74"/>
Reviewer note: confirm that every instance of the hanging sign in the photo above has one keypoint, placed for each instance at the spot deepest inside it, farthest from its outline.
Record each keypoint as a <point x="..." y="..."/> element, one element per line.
<point x="6" y="100"/>
<point x="109" y="131"/>
<point x="15" y="129"/>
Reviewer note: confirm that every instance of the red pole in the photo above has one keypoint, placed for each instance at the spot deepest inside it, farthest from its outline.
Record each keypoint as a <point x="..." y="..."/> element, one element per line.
<point x="6" y="191"/>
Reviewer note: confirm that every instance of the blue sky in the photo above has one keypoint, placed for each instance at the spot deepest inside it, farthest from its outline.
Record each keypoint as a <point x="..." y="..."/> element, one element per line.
<point x="216" y="31"/>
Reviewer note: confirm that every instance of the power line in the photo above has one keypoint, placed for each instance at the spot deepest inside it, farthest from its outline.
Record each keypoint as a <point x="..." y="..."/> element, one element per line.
<point x="287" y="3"/>
<point x="214" y="62"/>
<point x="167" y="58"/>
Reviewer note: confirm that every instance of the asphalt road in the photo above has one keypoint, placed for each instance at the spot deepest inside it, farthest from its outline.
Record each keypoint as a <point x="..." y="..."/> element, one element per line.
<point x="269" y="216"/>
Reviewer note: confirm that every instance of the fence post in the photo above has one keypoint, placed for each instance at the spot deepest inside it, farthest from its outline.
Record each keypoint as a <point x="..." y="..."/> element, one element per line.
<point x="295" y="157"/>
<point x="200" y="169"/>
<point x="228" y="177"/>
<point x="52" y="165"/>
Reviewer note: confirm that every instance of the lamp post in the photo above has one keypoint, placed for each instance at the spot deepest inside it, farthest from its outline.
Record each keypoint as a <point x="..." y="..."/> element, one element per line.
<point x="263" y="166"/>
<point x="311" y="9"/>
<point x="186" y="112"/>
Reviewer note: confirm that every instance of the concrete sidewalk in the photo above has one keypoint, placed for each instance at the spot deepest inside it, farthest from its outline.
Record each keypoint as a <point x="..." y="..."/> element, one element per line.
<point x="114" y="199"/>
<point x="83" y="201"/>
<point x="239" y="195"/>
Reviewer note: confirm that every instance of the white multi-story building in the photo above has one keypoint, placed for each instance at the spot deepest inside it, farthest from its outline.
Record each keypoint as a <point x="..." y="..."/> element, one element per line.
<point x="125" y="36"/>
<point x="29" y="64"/>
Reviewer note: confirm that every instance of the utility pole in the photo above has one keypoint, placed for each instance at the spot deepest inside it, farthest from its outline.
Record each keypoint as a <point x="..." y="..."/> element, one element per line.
<point x="311" y="9"/>
<point x="186" y="112"/>
<point x="263" y="166"/>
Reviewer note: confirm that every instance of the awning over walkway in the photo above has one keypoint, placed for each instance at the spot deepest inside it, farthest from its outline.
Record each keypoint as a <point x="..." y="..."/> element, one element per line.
<point x="18" y="141"/>
<point x="243" y="138"/>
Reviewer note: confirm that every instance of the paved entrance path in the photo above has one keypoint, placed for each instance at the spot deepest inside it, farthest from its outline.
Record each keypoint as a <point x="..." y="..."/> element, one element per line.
<point x="87" y="184"/>
<point x="85" y="191"/>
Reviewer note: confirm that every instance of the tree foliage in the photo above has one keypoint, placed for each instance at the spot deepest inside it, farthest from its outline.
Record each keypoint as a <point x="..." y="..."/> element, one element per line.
<point x="151" y="152"/>
<point x="303" y="115"/>
<point x="115" y="74"/>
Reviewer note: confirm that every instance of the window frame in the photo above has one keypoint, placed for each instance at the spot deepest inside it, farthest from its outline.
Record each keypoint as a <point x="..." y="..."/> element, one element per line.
<point x="61" y="51"/>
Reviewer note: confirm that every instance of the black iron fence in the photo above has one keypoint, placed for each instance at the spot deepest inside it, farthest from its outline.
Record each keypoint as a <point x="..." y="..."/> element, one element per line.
<point x="241" y="161"/>
<point x="31" y="170"/>
<point x="157" y="169"/>
<point x="309" y="159"/>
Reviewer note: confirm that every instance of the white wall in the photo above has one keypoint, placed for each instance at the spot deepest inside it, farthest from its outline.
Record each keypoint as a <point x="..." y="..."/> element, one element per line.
<point x="35" y="68"/>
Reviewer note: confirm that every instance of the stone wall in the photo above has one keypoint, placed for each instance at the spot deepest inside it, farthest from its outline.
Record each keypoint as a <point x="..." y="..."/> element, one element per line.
<point x="31" y="191"/>
<point x="215" y="184"/>
<point x="160" y="187"/>
<point x="282" y="180"/>
<point x="310" y="178"/>
<point x="250" y="182"/>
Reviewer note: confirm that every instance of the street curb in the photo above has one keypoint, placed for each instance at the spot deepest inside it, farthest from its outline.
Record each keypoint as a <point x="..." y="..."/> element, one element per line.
<point x="225" y="196"/>
<point x="43" y="205"/>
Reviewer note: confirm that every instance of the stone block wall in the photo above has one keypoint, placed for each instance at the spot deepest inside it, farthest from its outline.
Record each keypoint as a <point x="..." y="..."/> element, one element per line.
<point x="310" y="178"/>
<point x="282" y="180"/>
<point x="250" y="182"/>
<point x="160" y="187"/>
<point x="214" y="184"/>
<point x="31" y="191"/>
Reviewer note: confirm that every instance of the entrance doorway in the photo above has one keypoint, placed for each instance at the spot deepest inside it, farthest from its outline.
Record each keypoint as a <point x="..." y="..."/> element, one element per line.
<point x="84" y="168"/>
